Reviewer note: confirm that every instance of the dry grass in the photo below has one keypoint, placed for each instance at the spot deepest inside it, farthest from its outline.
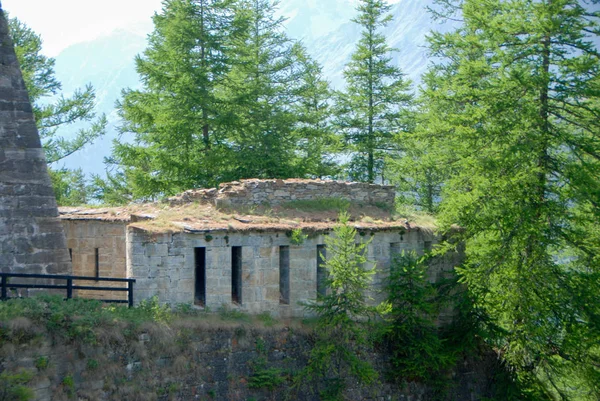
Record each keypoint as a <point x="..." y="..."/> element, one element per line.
<point x="417" y="218"/>
<point x="310" y="215"/>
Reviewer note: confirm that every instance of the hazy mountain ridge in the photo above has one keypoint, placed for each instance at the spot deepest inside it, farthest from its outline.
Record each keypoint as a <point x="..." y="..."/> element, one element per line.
<point x="323" y="26"/>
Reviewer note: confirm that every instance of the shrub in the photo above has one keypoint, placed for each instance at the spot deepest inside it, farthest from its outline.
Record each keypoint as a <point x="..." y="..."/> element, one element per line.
<point x="264" y="377"/>
<point x="416" y="350"/>
<point x="42" y="362"/>
<point x="297" y="237"/>
<point x="13" y="386"/>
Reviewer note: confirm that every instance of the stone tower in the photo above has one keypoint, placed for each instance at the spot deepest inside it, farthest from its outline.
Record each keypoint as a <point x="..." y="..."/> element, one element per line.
<point x="31" y="236"/>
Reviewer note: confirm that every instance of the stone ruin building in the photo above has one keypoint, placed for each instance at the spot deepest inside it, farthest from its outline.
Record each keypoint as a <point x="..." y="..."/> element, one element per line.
<point x="233" y="246"/>
<point x="31" y="235"/>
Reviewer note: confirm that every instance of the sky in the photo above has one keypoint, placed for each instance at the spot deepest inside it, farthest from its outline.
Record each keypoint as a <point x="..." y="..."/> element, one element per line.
<point x="62" y="23"/>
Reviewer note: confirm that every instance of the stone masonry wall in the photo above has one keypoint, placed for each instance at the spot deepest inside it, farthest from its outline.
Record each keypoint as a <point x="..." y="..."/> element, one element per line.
<point x="256" y="192"/>
<point x="204" y="360"/>
<point x="164" y="265"/>
<point x="31" y="236"/>
<point x="84" y="237"/>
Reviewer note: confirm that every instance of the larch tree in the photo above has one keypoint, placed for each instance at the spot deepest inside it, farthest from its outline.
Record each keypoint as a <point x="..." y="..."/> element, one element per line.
<point x="178" y="136"/>
<point x="513" y="108"/>
<point x="259" y="94"/>
<point x="376" y="101"/>
<point x="318" y="144"/>
<point x="56" y="115"/>
<point x="343" y="316"/>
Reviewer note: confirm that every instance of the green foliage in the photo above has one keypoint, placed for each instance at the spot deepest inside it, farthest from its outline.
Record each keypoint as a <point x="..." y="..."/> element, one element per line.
<point x="112" y="190"/>
<point x="56" y="116"/>
<point x="267" y="319"/>
<point x="42" y="363"/>
<point x="174" y="116"/>
<point x="418" y="174"/>
<point x="297" y="237"/>
<point x="375" y="104"/>
<point x="157" y="312"/>
<point x="261" y="346"/>
<point x="68" y="384"/>
<point x="319" y="144"/>
<point x="77" y="319"/>
<point x="263" y="376"/>
<point x="184" y="309"/>
<point x="13" y="386"/>
<point x="416" y="349"/>
<point x="262" y="96"/>
<point x="226" y="95"/>
<point x="70" y="187"/>
<point x="318" y="205"/>
<point x="343" y="315"/>
<point x="92" y="364"/>
<point x="232" y="314"/>
<point x="513" y="110"/>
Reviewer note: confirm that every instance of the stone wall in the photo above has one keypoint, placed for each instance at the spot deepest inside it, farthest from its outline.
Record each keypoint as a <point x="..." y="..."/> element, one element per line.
<point x="256" y="192"/>
<point x="85" y="239"/>
<point x="31" y="236"/>
<point x="164" y="265"/>
<point x="205" y="360"/>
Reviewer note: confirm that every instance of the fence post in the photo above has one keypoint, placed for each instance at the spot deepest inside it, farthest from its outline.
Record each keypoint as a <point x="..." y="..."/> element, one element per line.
<point x="3" y="285"/>
<point x="130" y="293"/>
<point x="69" y="288"/>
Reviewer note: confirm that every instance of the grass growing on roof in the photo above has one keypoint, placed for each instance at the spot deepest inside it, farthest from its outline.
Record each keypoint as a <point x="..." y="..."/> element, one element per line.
<point x="318" y="205"/>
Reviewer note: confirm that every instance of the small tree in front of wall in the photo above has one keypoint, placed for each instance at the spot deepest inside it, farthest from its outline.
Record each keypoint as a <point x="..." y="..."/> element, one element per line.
<point x="415" y="347"/>
<point x="343" y="316"/>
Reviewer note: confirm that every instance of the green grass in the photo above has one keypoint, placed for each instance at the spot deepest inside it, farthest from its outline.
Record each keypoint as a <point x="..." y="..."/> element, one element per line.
<point x="318" y="205"/>
<point x="76" y="319"/>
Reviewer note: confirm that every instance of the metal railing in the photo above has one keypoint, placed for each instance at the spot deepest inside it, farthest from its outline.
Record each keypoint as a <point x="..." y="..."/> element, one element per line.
<point x="68" y="286"/>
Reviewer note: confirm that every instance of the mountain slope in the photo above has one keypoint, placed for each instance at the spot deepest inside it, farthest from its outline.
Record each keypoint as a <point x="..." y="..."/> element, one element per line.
<point x="108" y="64"/>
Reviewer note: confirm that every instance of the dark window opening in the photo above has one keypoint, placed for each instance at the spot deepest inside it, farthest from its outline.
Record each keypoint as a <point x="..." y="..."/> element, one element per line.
<point x="236" y="274"/>
<point x="97" y="259"/>
<point x="200" y="285"/>
<point x="71" y="254"/>
<point x="284" y="275"/>
<point x="321" y="271"/>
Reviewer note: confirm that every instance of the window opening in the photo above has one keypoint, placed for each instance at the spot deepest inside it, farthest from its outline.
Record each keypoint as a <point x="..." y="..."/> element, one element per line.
<point x="236" y="274"/>
<point x="284" y="275"/>
<point x="200" y="285"/>
<point x="321" y="271"/>
<point x="97" y="262"/>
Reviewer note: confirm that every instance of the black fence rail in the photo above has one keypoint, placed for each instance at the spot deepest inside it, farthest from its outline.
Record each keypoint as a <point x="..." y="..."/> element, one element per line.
<point x="68" y="286"/>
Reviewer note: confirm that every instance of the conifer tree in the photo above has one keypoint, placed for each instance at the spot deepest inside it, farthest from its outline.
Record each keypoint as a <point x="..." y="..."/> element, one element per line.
<point x="415" y="347"/>
<point x="514" y="108"/>
<point x="343" y="313"/>
<point x="179" y="140"/>
<point x="259" y="94"/>
<point x="318" y="143"/>
<point x="54" y="119"/>
<point x="375" y="104"/>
